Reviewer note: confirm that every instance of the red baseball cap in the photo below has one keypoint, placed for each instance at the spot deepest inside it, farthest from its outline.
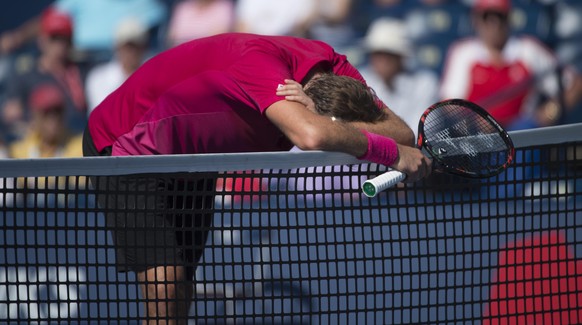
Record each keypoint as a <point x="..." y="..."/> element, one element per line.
<point x="46" y="97"/>
<point x="495" y="5"/>
<point x="54" y="22"/>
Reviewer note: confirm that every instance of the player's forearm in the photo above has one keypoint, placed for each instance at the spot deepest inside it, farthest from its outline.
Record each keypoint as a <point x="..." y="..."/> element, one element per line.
<point x="321" y="133"/>
<point x="393" y="127"/>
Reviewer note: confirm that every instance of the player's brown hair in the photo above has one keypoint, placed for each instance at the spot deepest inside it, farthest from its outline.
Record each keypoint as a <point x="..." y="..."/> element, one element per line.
<point x="344" y="98"/>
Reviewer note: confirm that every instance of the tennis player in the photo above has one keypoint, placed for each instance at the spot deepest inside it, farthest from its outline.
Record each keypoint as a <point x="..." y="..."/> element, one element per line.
<point x="219" y="95"/>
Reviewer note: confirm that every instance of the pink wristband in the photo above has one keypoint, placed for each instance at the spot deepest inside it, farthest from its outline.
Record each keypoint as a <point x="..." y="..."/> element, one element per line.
<point x="381" y="150"/>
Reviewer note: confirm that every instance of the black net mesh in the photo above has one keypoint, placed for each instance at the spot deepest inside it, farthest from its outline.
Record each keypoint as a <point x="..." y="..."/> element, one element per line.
<point x="300" y="246"/>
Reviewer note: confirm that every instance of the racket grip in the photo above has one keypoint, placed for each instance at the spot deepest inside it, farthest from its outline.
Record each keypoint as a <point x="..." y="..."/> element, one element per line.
<point x="384" y="181"/>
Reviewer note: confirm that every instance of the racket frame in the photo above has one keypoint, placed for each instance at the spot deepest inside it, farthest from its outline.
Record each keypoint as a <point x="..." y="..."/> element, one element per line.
<point x="390" y="178"/>
<point x="424" y="144"/>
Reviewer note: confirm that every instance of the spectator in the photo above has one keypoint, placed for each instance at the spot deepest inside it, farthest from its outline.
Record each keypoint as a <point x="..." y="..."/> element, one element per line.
<point x="511" y="76"/>
<point x="131" y="41"/>
<point x="192" y="19"/>
<point x="408" y="93"/>
<point x="47" y="135"/>
<point x="52" y="65"/>
<point x="95" y="23"/>
<point x="268" y="17"/>
<point x="568" y="32"/>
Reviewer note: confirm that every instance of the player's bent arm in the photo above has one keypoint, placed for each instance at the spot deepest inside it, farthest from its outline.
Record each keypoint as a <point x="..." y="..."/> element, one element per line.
<point x="392" y="126"/>
<point x="310" y="131"/>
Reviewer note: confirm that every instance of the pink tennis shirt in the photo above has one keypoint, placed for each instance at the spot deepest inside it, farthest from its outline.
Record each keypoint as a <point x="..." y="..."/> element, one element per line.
<point x="209" y="96"/>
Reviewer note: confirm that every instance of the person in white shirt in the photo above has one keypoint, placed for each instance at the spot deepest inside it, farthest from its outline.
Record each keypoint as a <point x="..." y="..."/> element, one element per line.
<point x="131" y="46"/>
<point x="407" y="92"/>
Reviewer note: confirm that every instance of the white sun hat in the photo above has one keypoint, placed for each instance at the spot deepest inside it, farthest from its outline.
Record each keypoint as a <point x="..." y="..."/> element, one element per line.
<point x="388" y="35"/>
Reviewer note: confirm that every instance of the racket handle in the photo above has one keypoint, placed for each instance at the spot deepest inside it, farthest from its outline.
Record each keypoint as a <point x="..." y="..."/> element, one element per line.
<point x="384" y="181"/>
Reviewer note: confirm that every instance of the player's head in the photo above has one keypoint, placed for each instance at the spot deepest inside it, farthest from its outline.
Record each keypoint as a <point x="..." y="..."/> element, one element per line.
<point x="344" y="98"/>
<point x="491" y="20"/>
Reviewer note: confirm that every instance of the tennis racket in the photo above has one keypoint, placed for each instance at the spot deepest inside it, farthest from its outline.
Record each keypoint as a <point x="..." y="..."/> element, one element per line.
<point x="461" y="138"/>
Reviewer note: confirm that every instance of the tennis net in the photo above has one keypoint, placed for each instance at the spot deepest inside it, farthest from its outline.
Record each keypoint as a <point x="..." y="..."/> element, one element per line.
<point x="292" y="240"/>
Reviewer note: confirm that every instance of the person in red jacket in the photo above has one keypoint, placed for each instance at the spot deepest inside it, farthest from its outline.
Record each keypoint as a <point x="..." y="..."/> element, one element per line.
<point x="223" y="94"/>
<point x="513" y="77"/>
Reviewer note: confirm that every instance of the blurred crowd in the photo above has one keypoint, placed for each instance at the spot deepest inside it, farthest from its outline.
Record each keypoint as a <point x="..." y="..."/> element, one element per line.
<point x="519" y="59"/>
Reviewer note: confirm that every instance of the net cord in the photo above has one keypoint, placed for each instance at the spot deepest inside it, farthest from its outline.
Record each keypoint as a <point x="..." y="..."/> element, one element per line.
<point x="95" y="166"/>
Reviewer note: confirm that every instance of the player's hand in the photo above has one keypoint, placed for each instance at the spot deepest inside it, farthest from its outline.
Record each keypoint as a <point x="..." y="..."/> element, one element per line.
<point x="413" y="163"/>
<point x="293" y="91"/>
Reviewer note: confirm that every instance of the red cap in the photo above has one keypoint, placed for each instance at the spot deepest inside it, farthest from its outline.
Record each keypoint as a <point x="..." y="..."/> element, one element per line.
<point x="54" y="22"/>
<point x="46" y="97"/>
<point x="495" y="5"/>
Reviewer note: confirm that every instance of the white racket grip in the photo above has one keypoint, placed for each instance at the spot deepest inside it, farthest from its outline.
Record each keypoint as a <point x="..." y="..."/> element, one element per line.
<point x="384" y="181"/>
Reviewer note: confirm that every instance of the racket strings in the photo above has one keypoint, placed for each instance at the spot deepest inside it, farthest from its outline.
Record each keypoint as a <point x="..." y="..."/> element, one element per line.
<point x="462" y="140"/>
